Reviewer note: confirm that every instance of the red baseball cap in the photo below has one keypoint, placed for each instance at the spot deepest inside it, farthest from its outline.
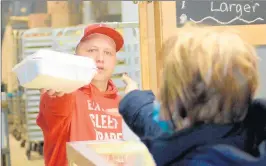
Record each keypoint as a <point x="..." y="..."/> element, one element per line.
<point x="105" y="30"/>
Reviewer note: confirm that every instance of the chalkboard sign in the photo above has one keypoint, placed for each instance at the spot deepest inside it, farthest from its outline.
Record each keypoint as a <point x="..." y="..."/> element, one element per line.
<point x="221" y="12"/>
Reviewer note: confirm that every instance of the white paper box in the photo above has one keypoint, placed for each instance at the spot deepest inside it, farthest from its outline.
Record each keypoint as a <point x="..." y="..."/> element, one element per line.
<point x="55" y="70"/>
<point x="108" y="153"/>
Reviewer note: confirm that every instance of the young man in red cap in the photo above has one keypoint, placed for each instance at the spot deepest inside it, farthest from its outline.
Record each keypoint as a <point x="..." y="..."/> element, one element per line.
<point x="88" y="113"/>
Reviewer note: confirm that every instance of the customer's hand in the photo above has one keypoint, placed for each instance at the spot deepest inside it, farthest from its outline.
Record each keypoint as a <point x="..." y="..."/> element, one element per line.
<point x="130" y="84"/>
<point x="52" y="93"/>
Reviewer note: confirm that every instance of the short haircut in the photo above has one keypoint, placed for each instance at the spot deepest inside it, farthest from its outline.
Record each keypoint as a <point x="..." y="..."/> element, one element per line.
<point x="208" y="75"/>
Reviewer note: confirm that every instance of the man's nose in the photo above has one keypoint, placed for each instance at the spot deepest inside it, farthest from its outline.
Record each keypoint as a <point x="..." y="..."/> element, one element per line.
<point x="100" y="58"/>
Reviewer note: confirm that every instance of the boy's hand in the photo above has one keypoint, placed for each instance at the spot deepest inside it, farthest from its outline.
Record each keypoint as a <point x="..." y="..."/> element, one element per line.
<point x="130" y="84"/>
<point x="52" y="93"/>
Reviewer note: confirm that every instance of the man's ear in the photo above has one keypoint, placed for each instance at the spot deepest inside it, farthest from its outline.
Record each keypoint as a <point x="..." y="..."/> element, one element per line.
<point x="77" y="49"/>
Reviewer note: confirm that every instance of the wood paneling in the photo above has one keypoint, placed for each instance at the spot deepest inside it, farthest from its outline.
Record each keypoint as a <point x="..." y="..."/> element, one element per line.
<point x="147" y="46"/>
<point x="9" y="59"/>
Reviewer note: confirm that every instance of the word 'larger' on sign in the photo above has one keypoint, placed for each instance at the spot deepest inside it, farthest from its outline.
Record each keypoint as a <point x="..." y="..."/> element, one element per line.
<point x="221" y="12"/>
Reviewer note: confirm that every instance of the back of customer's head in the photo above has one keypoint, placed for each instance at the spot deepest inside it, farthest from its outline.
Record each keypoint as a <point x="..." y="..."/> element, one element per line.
<point x="209" y="76"/>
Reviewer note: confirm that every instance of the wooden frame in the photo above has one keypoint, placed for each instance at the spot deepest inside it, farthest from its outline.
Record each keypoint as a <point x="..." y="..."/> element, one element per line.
<point x="147" y="46"/>
<point x="158" y="22"/>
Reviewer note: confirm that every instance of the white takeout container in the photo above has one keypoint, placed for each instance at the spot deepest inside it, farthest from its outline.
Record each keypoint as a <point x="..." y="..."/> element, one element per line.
<point x="55" y="70"/>
<point x="108" y="153"/>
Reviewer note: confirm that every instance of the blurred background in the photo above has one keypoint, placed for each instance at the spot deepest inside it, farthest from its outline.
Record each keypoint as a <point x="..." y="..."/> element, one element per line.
<point x="33" y="24"/>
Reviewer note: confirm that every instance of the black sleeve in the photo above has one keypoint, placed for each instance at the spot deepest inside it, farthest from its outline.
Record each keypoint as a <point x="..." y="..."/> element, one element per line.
<point x="137" y="108"/>
<point x="256" y="123"/>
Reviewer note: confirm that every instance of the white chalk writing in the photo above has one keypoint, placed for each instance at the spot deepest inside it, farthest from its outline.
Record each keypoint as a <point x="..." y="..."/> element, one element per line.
<point x="230" y="7"/>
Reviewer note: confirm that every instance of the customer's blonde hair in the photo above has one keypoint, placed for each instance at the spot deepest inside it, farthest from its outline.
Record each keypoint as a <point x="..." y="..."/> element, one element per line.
<point x="209" y="76"/>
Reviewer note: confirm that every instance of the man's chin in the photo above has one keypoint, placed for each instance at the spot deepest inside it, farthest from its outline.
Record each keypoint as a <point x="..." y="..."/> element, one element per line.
<point x="99" y="77"/>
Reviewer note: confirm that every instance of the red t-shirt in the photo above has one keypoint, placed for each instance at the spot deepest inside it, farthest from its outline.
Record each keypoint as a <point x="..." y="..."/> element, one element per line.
<point x="79" y="116"/>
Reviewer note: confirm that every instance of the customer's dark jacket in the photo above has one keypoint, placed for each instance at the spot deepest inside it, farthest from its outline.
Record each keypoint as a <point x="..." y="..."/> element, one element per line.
<point x="207" y="144"/>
